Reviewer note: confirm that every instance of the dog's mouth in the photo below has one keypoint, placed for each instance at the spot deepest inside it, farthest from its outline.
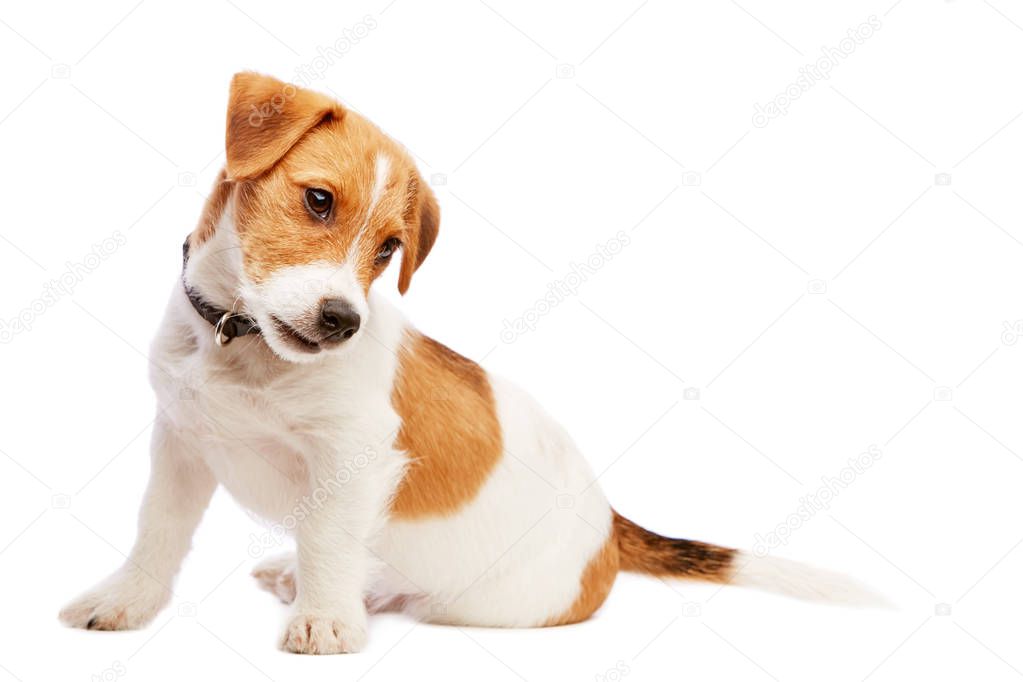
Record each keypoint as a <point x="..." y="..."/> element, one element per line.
<point x="294" y="338"/>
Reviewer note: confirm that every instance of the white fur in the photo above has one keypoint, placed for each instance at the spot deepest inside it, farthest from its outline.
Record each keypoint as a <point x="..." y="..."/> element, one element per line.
<point x="178" y="492"/>
<point x="214" y="269"/>
<point x="294" y="294"/>
<point x="801" y="581"/>
<point x="382" y="170"/>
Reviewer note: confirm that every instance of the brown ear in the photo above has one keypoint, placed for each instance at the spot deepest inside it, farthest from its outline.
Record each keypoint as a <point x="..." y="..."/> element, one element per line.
<point x="265" y="118"/>
<point x="422" y="222"/>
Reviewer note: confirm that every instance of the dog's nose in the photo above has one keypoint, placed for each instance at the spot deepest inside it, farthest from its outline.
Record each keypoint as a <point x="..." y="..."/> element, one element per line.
<point x="338" y="319"/>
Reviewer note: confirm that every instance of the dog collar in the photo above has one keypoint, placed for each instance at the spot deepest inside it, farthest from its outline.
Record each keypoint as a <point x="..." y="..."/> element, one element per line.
<point x="227" y="324"/>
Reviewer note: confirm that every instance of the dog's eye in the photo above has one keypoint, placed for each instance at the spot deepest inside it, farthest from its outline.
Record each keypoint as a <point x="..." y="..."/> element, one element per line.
<point x="319" y="201"/>
<point x="387" y="249"/>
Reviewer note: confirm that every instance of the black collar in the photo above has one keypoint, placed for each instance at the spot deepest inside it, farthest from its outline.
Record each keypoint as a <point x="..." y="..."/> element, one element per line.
<point x="226" y="324"/>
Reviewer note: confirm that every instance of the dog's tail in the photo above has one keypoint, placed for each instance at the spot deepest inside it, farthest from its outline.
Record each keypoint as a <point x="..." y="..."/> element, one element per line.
<point x="643" y="551"/>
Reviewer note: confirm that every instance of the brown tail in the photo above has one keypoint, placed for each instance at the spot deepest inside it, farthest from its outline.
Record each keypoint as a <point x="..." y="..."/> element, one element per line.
<point x="643" y="551"/>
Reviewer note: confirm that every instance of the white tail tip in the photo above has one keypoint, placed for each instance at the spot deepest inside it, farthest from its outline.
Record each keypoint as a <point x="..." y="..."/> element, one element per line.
<point x="794" y="579"/>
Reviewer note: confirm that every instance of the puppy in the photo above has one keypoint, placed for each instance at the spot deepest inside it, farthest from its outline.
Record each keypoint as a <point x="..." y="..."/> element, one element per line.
<point x="411" y="478"/>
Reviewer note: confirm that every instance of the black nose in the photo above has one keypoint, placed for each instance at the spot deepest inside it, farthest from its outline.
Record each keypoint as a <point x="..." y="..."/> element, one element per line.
<point x="338" y="319"/>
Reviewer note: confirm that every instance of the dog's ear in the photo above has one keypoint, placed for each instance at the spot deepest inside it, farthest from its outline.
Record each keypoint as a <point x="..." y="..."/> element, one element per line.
<point x="265" y="118"/>
<point x="422" y="222"/>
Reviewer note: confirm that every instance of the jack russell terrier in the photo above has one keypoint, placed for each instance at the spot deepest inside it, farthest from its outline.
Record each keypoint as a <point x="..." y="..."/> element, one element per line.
<point x="411" y="478"/>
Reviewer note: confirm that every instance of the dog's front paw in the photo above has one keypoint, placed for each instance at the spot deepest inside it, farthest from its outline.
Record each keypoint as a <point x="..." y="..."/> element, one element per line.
<point x="322" y="634"/>
<point x="121" y="602"/>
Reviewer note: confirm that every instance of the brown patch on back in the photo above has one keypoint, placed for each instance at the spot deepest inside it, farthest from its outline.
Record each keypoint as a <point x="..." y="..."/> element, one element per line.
<point x="643" y="551"/>
<point x="594" y="585"/>
<point x="212" y="210"/>
<point x="449" y="428"/>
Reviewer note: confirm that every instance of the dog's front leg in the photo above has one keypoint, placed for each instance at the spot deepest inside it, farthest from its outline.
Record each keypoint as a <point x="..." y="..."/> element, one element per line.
<point x="346" y="503"/>
<point x="178" y="493"/>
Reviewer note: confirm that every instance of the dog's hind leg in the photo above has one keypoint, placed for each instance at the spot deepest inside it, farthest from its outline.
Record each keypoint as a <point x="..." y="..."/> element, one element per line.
<point x="277" y="576"/>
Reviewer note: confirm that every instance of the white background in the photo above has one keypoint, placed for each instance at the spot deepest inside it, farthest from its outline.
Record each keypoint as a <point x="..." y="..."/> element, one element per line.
<point x="816" y="282"/>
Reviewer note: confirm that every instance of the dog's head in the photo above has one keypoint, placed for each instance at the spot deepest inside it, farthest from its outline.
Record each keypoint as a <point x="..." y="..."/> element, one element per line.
<point x="322" y="201"/>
